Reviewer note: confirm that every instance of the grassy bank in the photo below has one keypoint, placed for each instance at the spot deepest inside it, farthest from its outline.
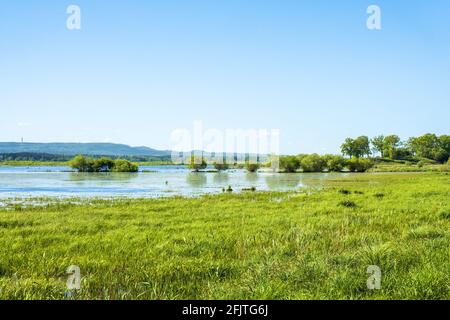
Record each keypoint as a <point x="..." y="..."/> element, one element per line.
<point x="298" y="245"/>
<point x="397" y="167"/>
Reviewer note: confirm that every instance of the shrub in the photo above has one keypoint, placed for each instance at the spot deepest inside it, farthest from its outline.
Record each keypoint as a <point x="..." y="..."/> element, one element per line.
<point x="347" y="204"/>
<point x="82" y="164"/>
<point x="221" y="166"/>
<point x="122" y="165"/>
<point x="312" y="163"/>
<point x="334" y="163"/>
<point x="445" y="214"/>
<point x="289" y="163"/>
<point x="300" y="157"/>
<point x="359" y="164"/>
<point x="102" y="165"/>
<point x="252" y="167"/>
<point x="197" y="163"/>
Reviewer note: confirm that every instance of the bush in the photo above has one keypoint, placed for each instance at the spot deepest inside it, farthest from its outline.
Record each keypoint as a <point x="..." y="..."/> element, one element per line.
<point x="334" y="163"/>
<point x="359" y="164"/>
<point x="312" y="163"/>
<point x="83" y="164"/>
<point x="221" y="166"/>
<point x="102" y="165"/>
<point x="289" y="163"/>
<point x="121" y="165"/>
<point x="197" y="163"/>
<point x="252" y="167"/>
<point x="347" y="204"/>
<point x="420" y="164"/>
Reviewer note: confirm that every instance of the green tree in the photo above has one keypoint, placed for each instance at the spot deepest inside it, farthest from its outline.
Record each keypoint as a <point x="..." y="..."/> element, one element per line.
<point x="429" y="146"/>
<point x="121" y="165"/>
<point x="391" y="144"/>
<point x="362" y="146"/>
<point x="102" y="165"/>
<point x="313" y="163"/>
<point x="334" y="163"/>
<point x="378" y="144"/>
<point x="289" y="163"/>
<point x="197" y="163"/>
<point x="358" y="147"/>
<point x="348" y="147"/>
<point x="82" y="164"/>
<point x="252" y="167"/>
<point x="221" y="166"/>
<point x="359" y="165"/>
<point x="444" y="141"/>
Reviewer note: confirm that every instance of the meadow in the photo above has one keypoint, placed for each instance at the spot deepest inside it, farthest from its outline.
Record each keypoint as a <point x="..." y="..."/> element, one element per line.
<point x="314" y="243"/>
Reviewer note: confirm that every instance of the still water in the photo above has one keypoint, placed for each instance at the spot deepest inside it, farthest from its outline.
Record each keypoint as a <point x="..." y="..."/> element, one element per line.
<point x="155" y="181"/>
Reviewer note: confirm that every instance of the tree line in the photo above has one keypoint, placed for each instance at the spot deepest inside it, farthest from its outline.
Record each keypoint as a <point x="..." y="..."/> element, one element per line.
<point x="428" y="146"/>
<point x="358" y="155"/>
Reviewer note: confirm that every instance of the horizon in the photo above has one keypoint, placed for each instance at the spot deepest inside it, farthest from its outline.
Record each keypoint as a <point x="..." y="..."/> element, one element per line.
<point x="403" y="140"/>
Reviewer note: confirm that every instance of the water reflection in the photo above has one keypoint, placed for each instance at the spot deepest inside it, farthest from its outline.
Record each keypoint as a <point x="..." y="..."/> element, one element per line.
<point x="283" y="181"/>
<point x="196" y="179"/>
<point x="110" y="176"/>
<point x="20" y="182"/>
<point x="220" y="177"/>
<point x="251" y="177"/>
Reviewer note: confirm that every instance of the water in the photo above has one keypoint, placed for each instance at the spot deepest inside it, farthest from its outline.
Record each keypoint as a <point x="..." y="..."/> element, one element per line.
<point x="155" y="181"/>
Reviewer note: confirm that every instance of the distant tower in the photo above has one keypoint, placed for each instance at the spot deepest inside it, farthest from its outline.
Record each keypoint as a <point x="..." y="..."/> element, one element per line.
<point x="22" y="140"/>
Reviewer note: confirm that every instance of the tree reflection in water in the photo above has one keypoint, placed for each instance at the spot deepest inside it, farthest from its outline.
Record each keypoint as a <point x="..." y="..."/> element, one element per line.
<point x="196" y="179"/>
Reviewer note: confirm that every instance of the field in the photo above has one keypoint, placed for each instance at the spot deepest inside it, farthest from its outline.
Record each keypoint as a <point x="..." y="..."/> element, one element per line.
<point x="402" y="167"/>
<point x="310" y="244"/>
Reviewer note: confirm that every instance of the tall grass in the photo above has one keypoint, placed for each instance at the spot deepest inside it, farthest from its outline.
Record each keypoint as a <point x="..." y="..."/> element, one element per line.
<point x="295" y="245"/>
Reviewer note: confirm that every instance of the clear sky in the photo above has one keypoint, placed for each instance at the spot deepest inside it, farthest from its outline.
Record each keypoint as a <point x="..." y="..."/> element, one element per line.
<point x="137" y="70"/>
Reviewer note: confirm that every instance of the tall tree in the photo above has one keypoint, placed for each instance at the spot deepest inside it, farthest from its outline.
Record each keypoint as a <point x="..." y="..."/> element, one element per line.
<point x="430" y="146"/>
<point x="358" y="147"/>
<point x="362" y="146"/>
<point x="391" y="144"/>
<point x="348" y="147"/>
<point x="378" y="144"/>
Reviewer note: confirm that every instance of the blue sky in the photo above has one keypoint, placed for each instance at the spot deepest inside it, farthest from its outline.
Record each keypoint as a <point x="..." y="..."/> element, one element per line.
<point x="137" y="70"/>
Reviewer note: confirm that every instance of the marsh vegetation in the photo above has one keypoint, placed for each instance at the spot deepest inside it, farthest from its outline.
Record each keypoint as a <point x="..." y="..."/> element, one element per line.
<point x="305" y="244"/>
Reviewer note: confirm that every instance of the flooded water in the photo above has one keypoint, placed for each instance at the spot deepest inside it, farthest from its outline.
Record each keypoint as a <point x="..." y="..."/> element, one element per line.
<point x="154" y="181"/>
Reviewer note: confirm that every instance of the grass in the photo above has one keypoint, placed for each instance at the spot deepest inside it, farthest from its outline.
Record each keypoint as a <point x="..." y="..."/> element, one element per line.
<point x="258" y="245"/>
<point x="409" y="167"/>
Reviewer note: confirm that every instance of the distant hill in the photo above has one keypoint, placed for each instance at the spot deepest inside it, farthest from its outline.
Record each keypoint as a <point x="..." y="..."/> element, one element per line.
<point x="70" y="149"/>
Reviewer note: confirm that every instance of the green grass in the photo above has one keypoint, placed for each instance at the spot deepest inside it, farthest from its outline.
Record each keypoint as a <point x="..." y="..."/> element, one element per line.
<point x="398" y="167"/>
<point x="311" y="244"/>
